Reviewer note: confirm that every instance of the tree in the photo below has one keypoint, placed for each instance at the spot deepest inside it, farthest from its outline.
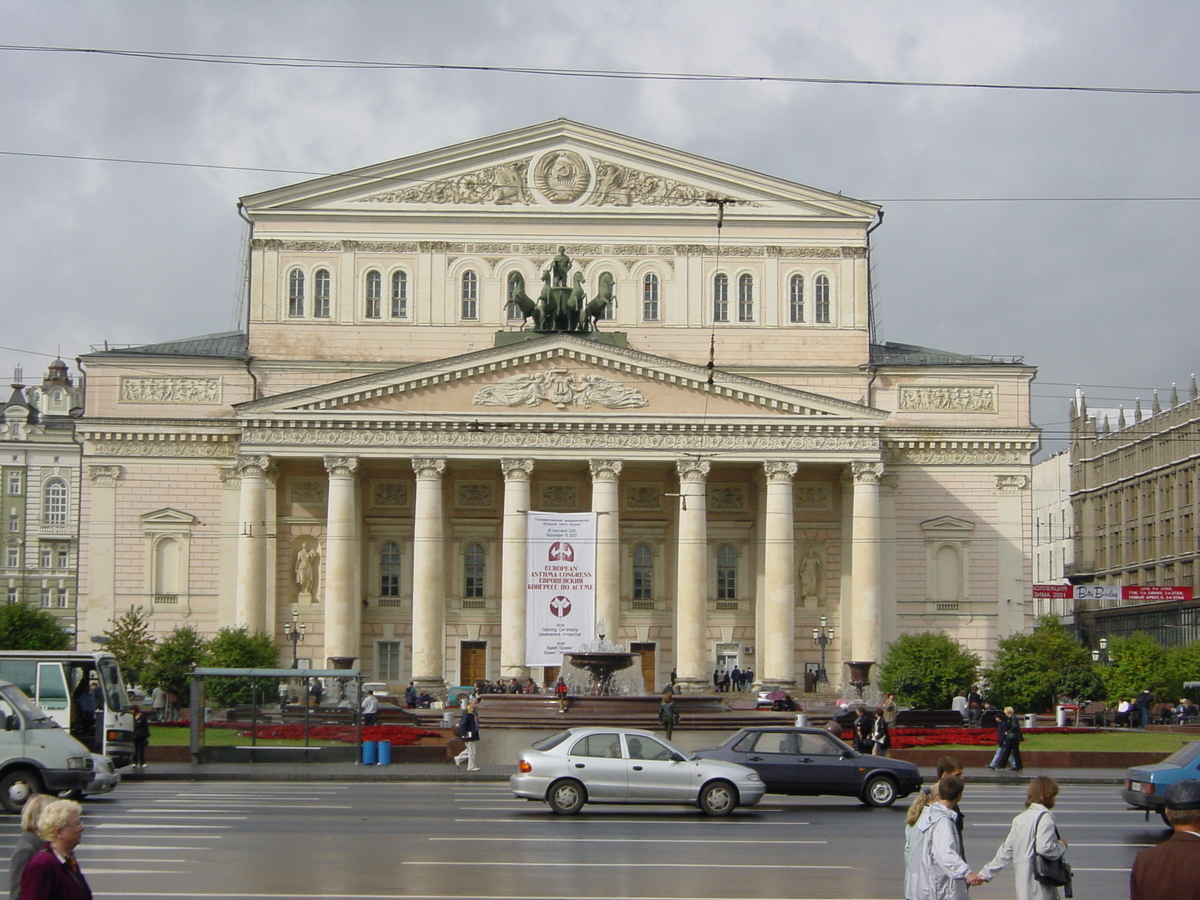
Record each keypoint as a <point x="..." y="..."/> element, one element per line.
<point x="237" y="648"/>
<point x="130" y="642"/>
<point x="1032" y="671"/>
<point x="1136" y="662"/>
<point x="1182" y="664"/>
<point x="926" y="670"/>
<point x="25" y="627"/>
<point x="175" y="656"/>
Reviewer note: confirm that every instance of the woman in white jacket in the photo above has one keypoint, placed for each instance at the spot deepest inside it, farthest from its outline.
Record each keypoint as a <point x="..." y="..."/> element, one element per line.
<point x="1033" y="831"/>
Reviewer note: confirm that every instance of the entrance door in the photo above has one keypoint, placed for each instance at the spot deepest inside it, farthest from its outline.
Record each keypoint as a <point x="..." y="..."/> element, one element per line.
<point x="472" y="662"/>
<point x="649" y="665"/>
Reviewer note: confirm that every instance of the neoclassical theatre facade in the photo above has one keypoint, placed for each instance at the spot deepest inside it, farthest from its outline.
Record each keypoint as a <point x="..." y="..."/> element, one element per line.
<point x="558" y="319"/>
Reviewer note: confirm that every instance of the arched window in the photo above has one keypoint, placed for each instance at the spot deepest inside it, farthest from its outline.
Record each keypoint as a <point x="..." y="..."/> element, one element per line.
<point x="650" y="298"/>
<point x="54" y="502"/>
<point x="321" y="293"/>
<point x="374" y="295"/>
<point x="796" y="298"/>
<point x="474" y="561"/>
<point x="726" y="573"/>
<point x="821" y="299"/>
<point x="399" y="295"/>
<point x="389" y="569"/>
<point x="470" y="295"/>
<point x="296" y="293"/>
<point x="643" y="572"/>
<point x="746" y="298"/>
<point x="721" y="297"/>
<point x="511" y="310"/>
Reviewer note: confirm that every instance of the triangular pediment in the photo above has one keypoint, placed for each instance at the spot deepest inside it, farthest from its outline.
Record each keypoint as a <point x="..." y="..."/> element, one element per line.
<point x="555" y="168"/>
<point x="948" y="526"/>
<point x="168" y="516"/>
<point x="557" y="376"/>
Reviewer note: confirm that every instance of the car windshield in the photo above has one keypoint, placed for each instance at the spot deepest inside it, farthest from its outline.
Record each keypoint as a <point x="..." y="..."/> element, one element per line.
<point x="33" y="716"/>
<point x="1184" y="754"/>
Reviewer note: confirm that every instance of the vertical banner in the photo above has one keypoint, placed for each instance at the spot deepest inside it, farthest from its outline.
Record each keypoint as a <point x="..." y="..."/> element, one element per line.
<point x="560" y="585"/>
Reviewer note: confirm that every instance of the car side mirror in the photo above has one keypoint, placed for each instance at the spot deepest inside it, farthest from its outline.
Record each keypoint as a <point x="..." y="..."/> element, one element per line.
<point x="12" y="723"/>
<point x="849" y="754"/>
<point x="676" y="757"/>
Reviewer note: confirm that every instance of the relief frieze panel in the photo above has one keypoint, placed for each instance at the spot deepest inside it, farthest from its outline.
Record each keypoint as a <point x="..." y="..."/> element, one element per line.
<point x="170" y="389"/>
<point x="960" y="457"/>
<point x="948" y="399"/>
<point x="198" y="449"/>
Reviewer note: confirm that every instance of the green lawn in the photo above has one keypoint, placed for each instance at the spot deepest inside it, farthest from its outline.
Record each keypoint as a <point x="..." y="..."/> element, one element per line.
<point x="225" y="737"/>
<point x="1138" y="741"/>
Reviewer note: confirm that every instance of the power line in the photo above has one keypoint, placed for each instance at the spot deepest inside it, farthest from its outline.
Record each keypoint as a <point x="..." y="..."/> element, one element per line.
<point x="618" y="74"/>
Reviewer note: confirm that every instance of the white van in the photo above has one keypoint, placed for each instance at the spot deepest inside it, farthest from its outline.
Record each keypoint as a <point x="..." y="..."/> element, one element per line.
<point x="36" y="755"/>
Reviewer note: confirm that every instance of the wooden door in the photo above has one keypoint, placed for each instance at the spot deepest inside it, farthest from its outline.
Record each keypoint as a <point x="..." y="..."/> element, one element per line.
<point x="472" y="662"/>
<point x="649" y="665"/>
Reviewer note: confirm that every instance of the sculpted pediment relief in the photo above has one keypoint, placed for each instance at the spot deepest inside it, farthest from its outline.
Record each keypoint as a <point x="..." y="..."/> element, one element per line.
<point x="554" y="166"/>
<point x="558" y="375"/>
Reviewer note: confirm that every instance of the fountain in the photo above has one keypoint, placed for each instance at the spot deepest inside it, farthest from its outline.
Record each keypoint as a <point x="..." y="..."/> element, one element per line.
<point x="602" y="660"/>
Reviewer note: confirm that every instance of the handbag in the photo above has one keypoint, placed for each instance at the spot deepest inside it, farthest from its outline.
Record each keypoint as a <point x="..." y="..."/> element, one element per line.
<point x="1050" y="872"/>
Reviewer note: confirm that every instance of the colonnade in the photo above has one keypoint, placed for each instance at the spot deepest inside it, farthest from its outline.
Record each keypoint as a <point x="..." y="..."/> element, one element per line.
<point x="693" y="663"/>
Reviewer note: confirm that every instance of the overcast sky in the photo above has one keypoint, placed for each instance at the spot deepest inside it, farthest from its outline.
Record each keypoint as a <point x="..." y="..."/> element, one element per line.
<point x="1098" y="292"/>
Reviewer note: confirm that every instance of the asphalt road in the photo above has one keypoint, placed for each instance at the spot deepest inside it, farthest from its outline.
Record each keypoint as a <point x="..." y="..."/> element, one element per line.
<point x="448" y="841"/>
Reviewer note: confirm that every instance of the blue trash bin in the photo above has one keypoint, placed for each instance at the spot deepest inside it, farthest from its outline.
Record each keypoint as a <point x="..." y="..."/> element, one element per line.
<point x="385" y="753"/>
<point x="369" y="753"/>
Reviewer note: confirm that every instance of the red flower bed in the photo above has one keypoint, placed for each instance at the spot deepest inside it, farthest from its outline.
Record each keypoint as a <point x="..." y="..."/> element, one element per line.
<point x="396" y="735"/>
<point x="904" y="738"/>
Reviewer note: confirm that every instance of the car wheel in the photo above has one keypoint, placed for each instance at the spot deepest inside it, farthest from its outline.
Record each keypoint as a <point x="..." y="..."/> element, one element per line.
<point x="879" y="791"/>
<point x="16" y="787"/>
<point x="566" y="797"/>
<point x="718" y="798"/>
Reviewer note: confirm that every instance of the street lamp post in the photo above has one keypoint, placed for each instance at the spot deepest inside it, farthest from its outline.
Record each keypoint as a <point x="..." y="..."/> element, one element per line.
<point x="1101" y="655"/>
<point x="823" y="637"/>
<point x="295" y="634"/>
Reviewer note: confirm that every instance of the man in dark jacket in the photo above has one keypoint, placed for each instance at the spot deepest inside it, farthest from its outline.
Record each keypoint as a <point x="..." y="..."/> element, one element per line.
<point x="1168" y="870"/>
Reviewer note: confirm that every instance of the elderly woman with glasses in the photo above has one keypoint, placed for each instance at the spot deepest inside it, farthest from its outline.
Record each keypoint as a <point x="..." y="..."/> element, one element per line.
<point x="52" y="872"/>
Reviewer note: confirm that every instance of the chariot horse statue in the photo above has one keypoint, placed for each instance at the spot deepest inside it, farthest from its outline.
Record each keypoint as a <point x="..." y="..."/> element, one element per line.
<point x="595" y="309"/>
<point x="528" y="306"/>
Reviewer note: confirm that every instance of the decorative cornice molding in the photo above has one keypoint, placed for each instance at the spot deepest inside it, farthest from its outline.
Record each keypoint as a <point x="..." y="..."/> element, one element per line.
<point x="164" y="445"/>
<point x="1011" y="484"/>
<point x="105" y="476"/>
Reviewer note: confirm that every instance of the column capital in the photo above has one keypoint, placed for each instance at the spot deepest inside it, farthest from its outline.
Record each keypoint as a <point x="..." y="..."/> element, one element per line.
<point x="429" y="468"/>
<point x="779" y="472"/>
<point x="341" y="466"/>
<point x="604" y="469"/>
<point x="105" y="476"/>
<point x="516" y="469"/>
<point x="254" y="466"/>
<point x="866" y="472"/>
<point x="692" y="471"/>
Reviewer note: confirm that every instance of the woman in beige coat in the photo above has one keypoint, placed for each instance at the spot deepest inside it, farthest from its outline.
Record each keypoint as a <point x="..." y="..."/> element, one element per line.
<point x="1033" y="831"/>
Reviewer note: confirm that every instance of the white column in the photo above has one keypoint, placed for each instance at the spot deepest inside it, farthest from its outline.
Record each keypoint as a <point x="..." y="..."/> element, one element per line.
<point x="252" y="542"/>
<point x="429" y="576"/>
<point x="1013" y="577"/>
<point x="606" y="505"/>
<point x="343" y="613"/>
<point x="98" y="556"/>
<point x="865" y="547"/>
<point x="517" y="473"/>
<point x="691" y="576"/>
<point x="779" y="593"/>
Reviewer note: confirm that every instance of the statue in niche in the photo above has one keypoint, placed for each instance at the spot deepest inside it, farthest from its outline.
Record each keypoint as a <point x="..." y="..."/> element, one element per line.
<point x="810" y="575"/>
<point x="307" y="558"/>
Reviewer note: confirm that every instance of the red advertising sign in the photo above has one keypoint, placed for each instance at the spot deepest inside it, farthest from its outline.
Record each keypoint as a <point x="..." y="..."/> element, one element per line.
<point x="1155" y="594"/>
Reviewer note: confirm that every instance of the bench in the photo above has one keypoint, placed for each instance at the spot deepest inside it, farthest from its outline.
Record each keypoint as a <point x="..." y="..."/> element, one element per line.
<point x="929" y="718"/>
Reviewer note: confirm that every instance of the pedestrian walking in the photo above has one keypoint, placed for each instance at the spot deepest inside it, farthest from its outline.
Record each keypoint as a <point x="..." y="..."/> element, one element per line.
<point x="52" y="872"/>
<point x="943" y="874"/>
<point x="141" y="736"/>
<point x="1010" y="742"/>
<point x="370" y="708"/>
<point x="881" y="735"/>
<point x="668" y="715"/>
<point x="863" y="726"/>
<point x="912" y="841"/>
<point x="468" y="733"/>
<point x="28" y="843"/>
<point x="158" y="702"/>
<point x="1144" y="699"/>
<point x="1168" y="871"/>
<point x="1033" y="833"/>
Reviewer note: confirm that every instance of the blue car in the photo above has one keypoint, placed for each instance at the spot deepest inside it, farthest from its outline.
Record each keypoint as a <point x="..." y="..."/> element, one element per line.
<point x="1146" y="786"/>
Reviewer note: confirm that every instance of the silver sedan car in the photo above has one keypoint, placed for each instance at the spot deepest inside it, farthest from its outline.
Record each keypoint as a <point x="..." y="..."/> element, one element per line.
<point x="625" y="765"/>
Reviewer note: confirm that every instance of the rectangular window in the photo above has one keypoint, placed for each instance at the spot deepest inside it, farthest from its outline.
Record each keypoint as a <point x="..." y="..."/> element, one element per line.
<point x="650" y="299"/>
<point x="45" y="555"/>
<point x="61" y="598"/>
<point x="796" y="299"/>
<point x="721" y="299"/>
<point x="821" y="301"/>
<point x="63" y="554"/>
<point x="296" y="293"/>
<point x="470" y="296"/>
<point x="13" y="557"/>
<point x="387" y="660"/>
<point x="47" y="598"/>
<point x="374" y="295"/>
<point x="745" y="299"/>
<point x="14" y="521"/>
<point x="14" y="483"/>
<point x="12" y="595"/>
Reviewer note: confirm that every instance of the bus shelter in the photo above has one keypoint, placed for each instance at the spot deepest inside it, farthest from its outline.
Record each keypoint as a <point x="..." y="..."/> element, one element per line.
<point x="270" y="705"/>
